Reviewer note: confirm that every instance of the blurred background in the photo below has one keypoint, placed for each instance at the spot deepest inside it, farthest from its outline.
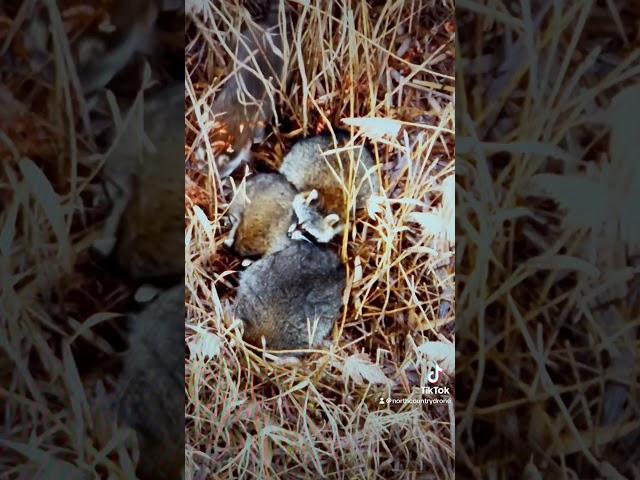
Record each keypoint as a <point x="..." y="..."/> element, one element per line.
<point x="547" y="240"/>
<point x="91" y="225"/>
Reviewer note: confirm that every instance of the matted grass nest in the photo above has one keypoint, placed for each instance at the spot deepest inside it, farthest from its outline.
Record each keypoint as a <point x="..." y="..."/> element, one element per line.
<point x="249" y="416"/>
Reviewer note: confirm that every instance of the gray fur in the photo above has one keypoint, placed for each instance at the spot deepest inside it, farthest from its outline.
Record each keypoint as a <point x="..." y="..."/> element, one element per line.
<point x="243" y="104"/>
<point x="310" y="219"/>
<point x="279" y="293"/>
<point x="152" y="386"/>
<point x="307" y="169"/>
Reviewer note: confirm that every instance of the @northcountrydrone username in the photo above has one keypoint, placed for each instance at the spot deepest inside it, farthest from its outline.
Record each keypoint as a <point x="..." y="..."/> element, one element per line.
<point x="429" y="401"/>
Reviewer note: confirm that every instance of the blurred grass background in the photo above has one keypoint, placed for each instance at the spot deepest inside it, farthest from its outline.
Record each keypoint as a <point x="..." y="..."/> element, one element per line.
<point x="63" y="309"/>
<point x="547" y="250"/>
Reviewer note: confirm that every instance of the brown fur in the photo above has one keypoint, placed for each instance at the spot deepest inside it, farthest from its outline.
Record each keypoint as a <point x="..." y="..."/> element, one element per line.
<point x="151" y="232"/>
<point x="263" y="214"/>
<point x="307" y="169"/>
<point x="152" y="227"/>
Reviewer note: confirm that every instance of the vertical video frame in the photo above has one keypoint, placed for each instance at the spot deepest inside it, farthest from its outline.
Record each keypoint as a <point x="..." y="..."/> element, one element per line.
<point x="319" y="241"/>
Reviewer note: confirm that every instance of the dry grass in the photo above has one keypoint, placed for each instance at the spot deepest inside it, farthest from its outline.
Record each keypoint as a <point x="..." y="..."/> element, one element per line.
<point x="61" y="326"/>
<point x="251" y="417"/>
<point x="546" y="318"/>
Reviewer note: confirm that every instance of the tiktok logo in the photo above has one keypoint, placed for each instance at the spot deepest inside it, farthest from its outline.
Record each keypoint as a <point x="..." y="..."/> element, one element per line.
<point x="435" y="375"/>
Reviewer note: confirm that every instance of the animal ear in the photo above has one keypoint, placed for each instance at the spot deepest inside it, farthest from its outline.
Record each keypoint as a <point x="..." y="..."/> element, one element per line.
<point x="331" y="220"/>
<point x="231" y="237"/>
